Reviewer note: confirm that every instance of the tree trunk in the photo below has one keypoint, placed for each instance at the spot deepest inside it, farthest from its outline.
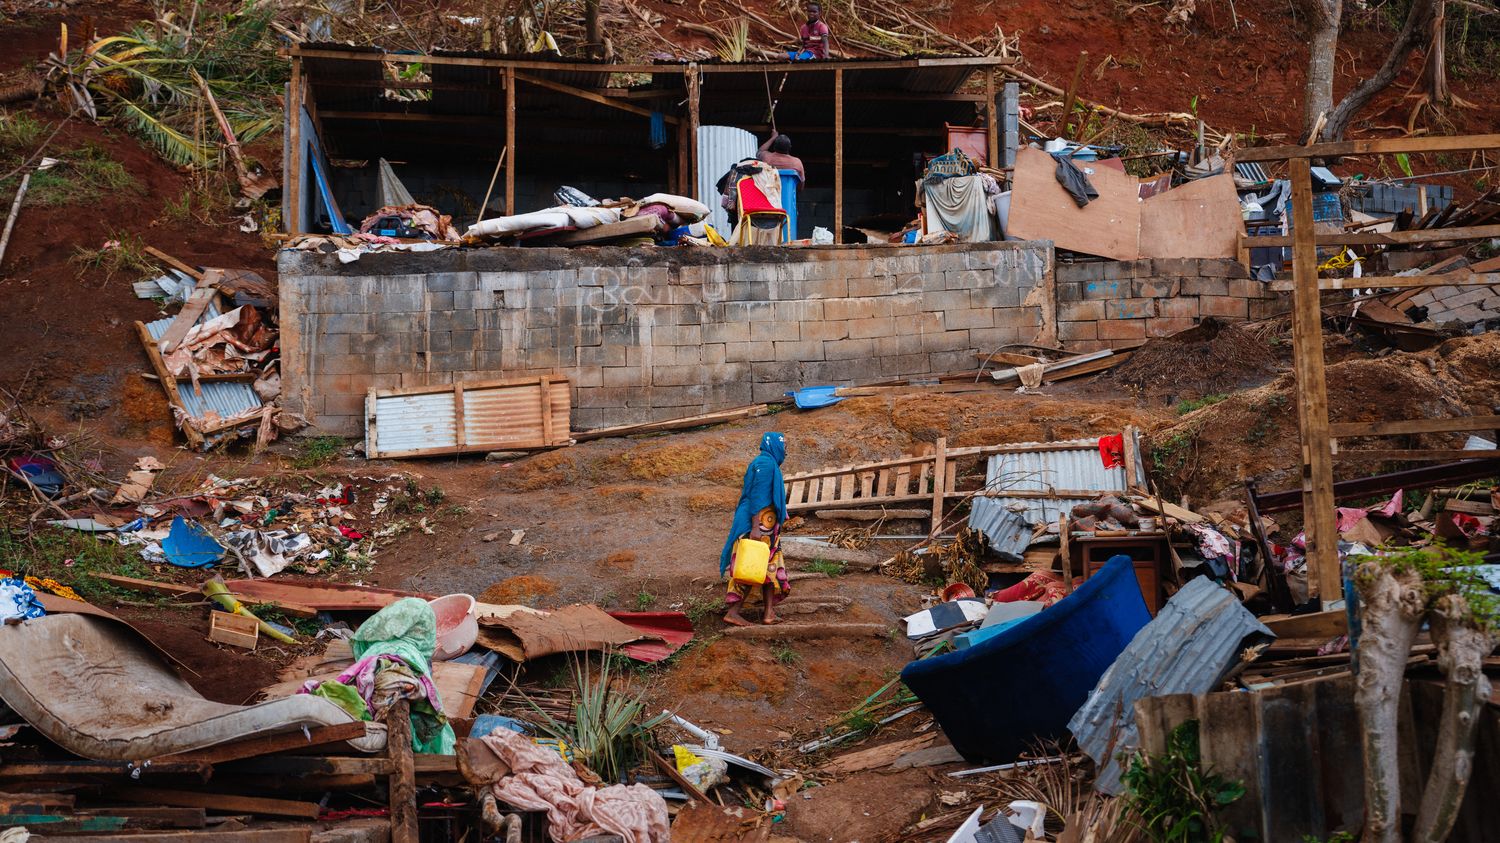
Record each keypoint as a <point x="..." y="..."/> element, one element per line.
<point x="595" y="41"/>
<point x="1437" y="63"/>
<point x="1461" y="651"/>
<point x="1317" y="99"/>
<point x="1390" y="610"/>
<point x="1413" y="33"/>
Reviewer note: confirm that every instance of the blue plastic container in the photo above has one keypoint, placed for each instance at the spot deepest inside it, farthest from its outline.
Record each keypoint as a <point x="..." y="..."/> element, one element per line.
<point x="789" y="186"/>
<point x="1005" y="694"/>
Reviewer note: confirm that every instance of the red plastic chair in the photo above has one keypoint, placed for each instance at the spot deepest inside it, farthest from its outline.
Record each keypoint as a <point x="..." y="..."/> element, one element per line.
<point x="759" y="210"/>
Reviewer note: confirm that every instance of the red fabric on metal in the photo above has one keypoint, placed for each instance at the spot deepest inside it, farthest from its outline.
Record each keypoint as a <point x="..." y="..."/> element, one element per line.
<point x="673" y="628"/>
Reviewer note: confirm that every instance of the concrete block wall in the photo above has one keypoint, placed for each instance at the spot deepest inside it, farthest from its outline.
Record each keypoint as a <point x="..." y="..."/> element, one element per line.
<point x="646" y="334"/>
<point x="1108" y="304"/>
<point x="1465" y="305"/>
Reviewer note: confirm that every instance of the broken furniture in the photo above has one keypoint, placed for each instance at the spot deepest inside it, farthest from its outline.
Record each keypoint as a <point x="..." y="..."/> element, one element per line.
<point x="1088" y="553"/>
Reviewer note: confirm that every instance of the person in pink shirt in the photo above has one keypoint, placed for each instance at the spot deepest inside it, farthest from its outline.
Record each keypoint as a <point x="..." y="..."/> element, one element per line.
<point x="815" y="33"/>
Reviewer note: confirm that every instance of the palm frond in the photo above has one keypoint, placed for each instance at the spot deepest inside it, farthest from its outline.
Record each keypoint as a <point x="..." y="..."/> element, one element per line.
<point x="171" y="144"/>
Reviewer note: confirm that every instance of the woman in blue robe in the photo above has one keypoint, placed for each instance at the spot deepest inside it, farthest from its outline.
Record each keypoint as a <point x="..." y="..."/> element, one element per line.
<point x="759" y="516"/>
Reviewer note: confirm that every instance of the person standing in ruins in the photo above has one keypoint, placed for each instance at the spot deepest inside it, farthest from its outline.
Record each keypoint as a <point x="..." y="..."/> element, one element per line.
<point x="759" y="516"/>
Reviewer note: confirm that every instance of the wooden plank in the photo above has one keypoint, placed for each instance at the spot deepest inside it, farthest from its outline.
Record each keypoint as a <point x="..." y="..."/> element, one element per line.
<point x="1312" y="399"/>
<point x="1065" y="538"/>
<point x="174" y="263"/>
<point x="1229" y="736"/>
<point x="903" y="480"/>
<point x="1042" y="210"/>
<point x="883" y="482"/>
<point x="186" y="318"/>
<point x="548" y="433"/>
<point x="32" y="772"/>
<point x="590" y="96"/>
<point x="268" y="835"/>
<point x="701" y="420"/>
<point x="1324" y="625"/>
<point x="798" y="492"/>
<point x="1457" y="278"/>
<point x="403" y="779"/>
<point x="170" y="589"/>
<point x="1132" y="457"/>
<point x="152" y="817"/>
<point x="460" y="433"/>
<point x="991" y="121"/>
<point x="326" y="596"/>
<point x="838" y="155"/>
<point x="1418" y="455"/>
<point x="670" y="770"/>
<point x="939" y="482"/>
<point x="1450" y="143"/>
<point x="227" y="803"/>
<point x="846" y="486"/>
<point x="1401" y="426"/>
<point x="169" y="386"/>
<point x="634" y="226"/>
<point x="1386" y="238"/>
<point x="867" y="484"/>
<point x="1200" y="219"/>
<point x="898" y="389"/>
<point x="510" y="141"/>
<point x="873" y="514"/>
<point x="755" y="69"/>
<point x="692" y="80"/>
<point x="320" y="736"/>
<point x="1292" y="801"/>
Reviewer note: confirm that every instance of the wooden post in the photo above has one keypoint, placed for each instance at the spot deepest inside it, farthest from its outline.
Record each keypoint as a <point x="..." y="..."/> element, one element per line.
<point x="939" y="482"/>
<point x="510" y="140"/>
<point x="991" y="120"/>
<point x="838" y="168"/>
<point x="693" y="80"/>
<point x="1071" y="97"/>
<point x="1064" y="533"/>
<point x="1312" y="396"/>
<point x="403" y="778"/>
<point x="294" y="203"/>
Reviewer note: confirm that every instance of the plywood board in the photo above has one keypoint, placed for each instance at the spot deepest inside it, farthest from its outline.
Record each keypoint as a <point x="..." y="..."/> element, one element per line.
<point x="1200" y="219"/>
<point x="1040" y="209"/>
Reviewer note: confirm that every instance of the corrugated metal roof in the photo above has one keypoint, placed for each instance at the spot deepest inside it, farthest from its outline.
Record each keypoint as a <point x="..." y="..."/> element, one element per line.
<point x="1009" y="533"/>
<point x="1071" y="469"/>
<point x="227" y="398"/>
<point x="1186" y="649"/>
<point x="414" y="423"/>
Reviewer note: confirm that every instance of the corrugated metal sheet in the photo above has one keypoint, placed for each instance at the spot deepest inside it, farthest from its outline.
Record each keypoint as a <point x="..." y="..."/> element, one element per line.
<point x="1074" y="469"/>
<point x="1009" y="533"/>
<point x="496" y="415"/>
<point x="1186" y="649"/>
<point x="226" y="398"/>
<point x="719" y="148"/>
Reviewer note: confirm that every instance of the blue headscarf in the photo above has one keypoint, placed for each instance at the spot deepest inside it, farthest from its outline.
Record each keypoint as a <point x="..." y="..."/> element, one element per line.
<point x="763" y="487"/>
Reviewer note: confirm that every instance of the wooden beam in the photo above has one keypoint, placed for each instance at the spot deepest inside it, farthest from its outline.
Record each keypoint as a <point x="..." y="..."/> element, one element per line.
<point x="293" y="176"/>
<point x="408" y="117"/>
<point x="169" y="386"/>
<point x="939" y="477"/>
<point x="1387" y="238"/>
<point x="1457" y="278"/>
<point x="252" y="747"/>
<point x="192" y="309"/>
<point x="991" y="121"/>
<point x="838" y="156"/>
<point x="510" y="141"/>
<point x="174" y="263"/>
<point x="591" y="96"/>
<point x="1450" y="143"/>
<point x="1418" y="455"/>
<point x="694" y="82"/>
<point x="228" y="803"/>
<point x="403" y="779"/>
<point x="244" y="835"/>
<point x="1390" y="428"/>
<point x="1312" y="398"/>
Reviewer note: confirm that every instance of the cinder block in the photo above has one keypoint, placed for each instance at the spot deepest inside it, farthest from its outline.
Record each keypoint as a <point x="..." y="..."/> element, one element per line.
<point x="1180" y="306"/>
<point x="677" y="335"/>
<point x="1266" y="308"/>
<point x="1156" y="288"/>
<point x="985" y="339"/>
<point x="1205" y="286"/>
<point x="749" y="352"/>
<point x="442" y="300"/>
<point x="905" y="304"/>
<point x="1468" y="297"/>
<point x="1163" y="326"/>
<point x="947" y="301"/>
<point x="1174" y="267"/>
<point x="1222" y="268"/>
<point x="346" y="323"/>
<point x="450" y="281"/>
<point x="1105" y="290"/>
<point x="397" y="302"/>
<point x="775" y="331"/>
<point x="974" y="317"/>
<point x="864" y="307"/>
<point x="388" y="362"/>
<point x="1081" y="310"/>
<point x="951" y="361"/>
<point x="882" y="285"/>
<point x="712" y="353"/>
<point x="877" y="327"/>
<point x="798" y="311"/>
<point x="772" y="391"/>
<point x="1129" y="309"/>
<point x="1090" y="272"/>
<point x="848" y="349"/>
<point x="927" y="322"/>
<point x="969" y="279"/>
<point x="825" y="330"/>
<point x="758" y="289"/>
<point x="950" y="340"/>
<point x="903" y="343"/>
<point x="726" y="332"/>
<point x="1018" y="317"/>
<point x="1121" y="329"/>
<point x="1116" y="270"/>
<point x="681" y="355"/>
<point x="587" y="376"/>
<point x="1224" y="307"/>
<point x="1249" y="288"/>
<point x="743" y="311"/>
<point x="1071" y="331"/>
<point x="676" y="375"/>
<point x="808" y="350"/>
<point x="826" y="288"/>
<point x="905" y="365"/>
<point x="775" y="371"/>
<point x="459" y="320"/>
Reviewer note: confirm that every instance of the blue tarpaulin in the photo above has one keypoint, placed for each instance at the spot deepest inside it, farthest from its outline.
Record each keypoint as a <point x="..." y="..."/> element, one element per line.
<point x="813" y="397"/>
<point x="190" y="546"/>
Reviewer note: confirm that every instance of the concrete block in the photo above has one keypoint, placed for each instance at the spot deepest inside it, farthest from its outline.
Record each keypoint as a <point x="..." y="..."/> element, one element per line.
<point x="1071" y="331"/>
<point x="346" y="323"/>
<point x="927" y="282"/>
<point x="775" y="331"/>
<point x="952" y="361"/>
<point x="1105" y="290"/>
<point x="1468" y="297"/>
<point x="905" y="365"/>
<point x="974" y="317"/>
<point x="1163" y="326"/>
<point x="1205" y="286"/>
<point x="1222" y="268"/>
<point x="748" y="352"/>
<point x="950" y="340"/>
<point x="676" y="375"/>
<point x="875" y="327"/>
<point x="490" y="360"/>
<point x="394" y="362"/>
<point x="772" y="391"/>
<point x="741" y="311"/>
<point x="985" y="339"/>
<point x="398" y="285"/>
<point x="395" y="302"/>
<point x="776" y="371"/>
<point x="1116" y="270"/>
<point x="1224" y="307"/>
<point x="442" y="300"/>
<point x="622" y="376"/>
<point x="968" y="279"/>
<point x="1121" y="329"/>
<point x="947" y="300"/>
<point x="809" y="350"/>
<point x="450" y="281"/>
<point x="541" y="338"/>
<point x="725" y="332"/>
<point x="848" y="349"/>
<point x="903" y="343"/>
<point x="1018" y="317"/>
<point x="1180" y="306"/>
<point x="1090" y="272"/>
<point x="863" y="307"/>
<point x="798" y="311"/>
<point x="1249" y="288"/>
<point x="713" y="354"/>
<point x="1069" y="291"/>
<point x="905" y="304"/>
<point x="758" y="289"/>
<point x="1004" y="295"/>
<point x="825" y="330"/>
<point x="463" y="320"/>
<point x="1266" y="308"/>
<point x="826" y="288"/>
<point x="924" y="323"/>
<point x="882" y="285"/>
<point x="1156" y="288"/>
<point x="1129" y="309"/>
<point x="1080" y="311"/>
<point x="677" y="335"/>
<point x="1174" y="267"/>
